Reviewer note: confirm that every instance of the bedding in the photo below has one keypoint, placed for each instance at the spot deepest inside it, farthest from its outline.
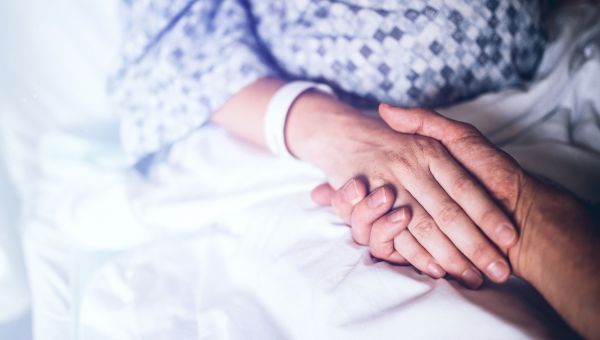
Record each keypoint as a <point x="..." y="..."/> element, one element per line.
<point x="221" y="240"/>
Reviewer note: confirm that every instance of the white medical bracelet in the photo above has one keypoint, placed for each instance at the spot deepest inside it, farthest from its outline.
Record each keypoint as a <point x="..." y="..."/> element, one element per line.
<point x="277" y="112"/>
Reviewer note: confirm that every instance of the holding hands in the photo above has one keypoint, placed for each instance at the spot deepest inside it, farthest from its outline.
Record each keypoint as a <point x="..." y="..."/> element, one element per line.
<point x="424" y="208"/>
<point x="432" y="192"/>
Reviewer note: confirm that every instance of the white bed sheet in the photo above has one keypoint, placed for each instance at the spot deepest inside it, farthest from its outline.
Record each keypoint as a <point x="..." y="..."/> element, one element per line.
<point x="222" y="241"/>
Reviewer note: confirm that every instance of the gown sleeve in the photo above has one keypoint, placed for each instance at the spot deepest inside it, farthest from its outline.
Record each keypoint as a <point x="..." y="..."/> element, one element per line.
<point x="181" y="61"/>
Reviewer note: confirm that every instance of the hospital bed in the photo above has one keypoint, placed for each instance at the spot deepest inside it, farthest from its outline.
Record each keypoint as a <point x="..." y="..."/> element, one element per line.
<point x="221" y="240"/>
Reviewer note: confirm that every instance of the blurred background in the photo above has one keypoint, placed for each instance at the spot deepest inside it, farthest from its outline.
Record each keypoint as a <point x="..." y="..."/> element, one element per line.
<point x="15" y="317"/>
<point x="51" y="51"/>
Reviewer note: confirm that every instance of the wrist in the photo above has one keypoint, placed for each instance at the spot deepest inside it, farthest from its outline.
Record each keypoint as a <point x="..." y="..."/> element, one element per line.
<point x="525" y="215"/>
<point x="320" y="128"/>
<point x="557" y="256"/>
<point x="547" y="218"/>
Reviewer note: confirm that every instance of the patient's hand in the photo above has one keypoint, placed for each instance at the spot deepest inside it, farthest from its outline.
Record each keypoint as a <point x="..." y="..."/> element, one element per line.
<point x="389" y="237"/>
<point x="383" y="232"/>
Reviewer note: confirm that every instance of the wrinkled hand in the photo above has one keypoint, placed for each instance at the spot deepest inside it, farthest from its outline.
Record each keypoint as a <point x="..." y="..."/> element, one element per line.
<point x="452" y="218"/>
<point x="499" y="173"/>
<point x="495" y="169"/>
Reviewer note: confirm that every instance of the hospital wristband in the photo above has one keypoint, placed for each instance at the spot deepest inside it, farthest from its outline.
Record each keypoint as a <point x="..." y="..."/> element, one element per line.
<point x="278" y="109"/>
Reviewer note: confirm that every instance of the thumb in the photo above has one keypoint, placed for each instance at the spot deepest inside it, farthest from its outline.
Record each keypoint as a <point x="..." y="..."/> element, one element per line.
<point x="322" y="194"/>
<point x="490" y="165"/>
<point x="425" y="123"/>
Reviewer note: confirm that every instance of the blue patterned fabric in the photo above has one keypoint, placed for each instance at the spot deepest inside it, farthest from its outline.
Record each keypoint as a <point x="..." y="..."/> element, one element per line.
<point x="183" y="59"/>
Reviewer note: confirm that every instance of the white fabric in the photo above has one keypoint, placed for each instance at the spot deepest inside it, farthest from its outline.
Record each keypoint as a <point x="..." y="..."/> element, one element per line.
<point x="552" y="127"/>
<point x="12" y="272"/>
<point x="222" y="240"/>
<point x="277" y="112"/>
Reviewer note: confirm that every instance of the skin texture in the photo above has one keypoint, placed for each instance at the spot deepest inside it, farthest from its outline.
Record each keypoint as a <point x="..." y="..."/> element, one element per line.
<point x="448" y="232"/>
<point x="559" y="245"/>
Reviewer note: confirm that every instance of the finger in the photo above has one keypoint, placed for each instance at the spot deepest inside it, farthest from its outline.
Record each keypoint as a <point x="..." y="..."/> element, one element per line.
<point x="446" y="254"/>
<point x="466" y="144"/>
<point x="426" y="123"/>
<point x="474" y="200"/>
<point x="381" y="241"/>
<point x="347" y="197"/>
<point x="368" y="211"/>
<point x="458" y="227"/>
<point x="322" y="194"/>
<point x="407" y="246"/>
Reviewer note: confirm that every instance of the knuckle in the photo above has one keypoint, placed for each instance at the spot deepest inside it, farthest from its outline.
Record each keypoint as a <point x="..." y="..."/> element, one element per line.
<point x="410" y="256"/>
<point x="355" y="219"/>
<point x="466" y="128"/>
<point x="401" y="247"/>
<point x="401" y="160"/>
<point x="418" y="257"/>
<point x="463" y="184"/>
<point x="422" y="228"/>
<point x="359" y="219"/>
<point x="479" y="252"/>
<point x="399" y="243"/>
<point x="377" y="245"/>
<point x="428" y="145"/>
<point x="377" y="251"/>
<point x="456" y="264"/>
<point x="448" y="214"/>
<point x="465" y="132"/>
<point x="378" y="178"/>
<point x="424" y="143"/>
<point x="490" y="217"/>
<point x="340" y="201"/>
<point x="375" y="240"/>
<point x="359" y="236"/>
<point x="414" y="255"/>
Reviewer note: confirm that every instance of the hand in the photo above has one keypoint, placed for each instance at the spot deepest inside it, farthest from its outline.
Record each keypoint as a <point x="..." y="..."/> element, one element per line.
<point x="520" y="194"/>
<point x="438" y="191"/>
<point x="558" y="247"/>
<point x="495" y="169"/>
<point x="384" y="232"/>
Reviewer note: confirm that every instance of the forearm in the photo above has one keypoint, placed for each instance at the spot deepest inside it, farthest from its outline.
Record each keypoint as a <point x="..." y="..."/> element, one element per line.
<point x="243" y="114"/>
<point x="561" y="259"/>
<point x="317" y="127"/>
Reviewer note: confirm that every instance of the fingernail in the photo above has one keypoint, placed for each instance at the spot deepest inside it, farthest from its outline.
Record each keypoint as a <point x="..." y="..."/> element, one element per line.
<point x="498" y="270"/>
<point x="377" y="198"/>
<point x="398" y="216"/>
<point x="435" y="270"/>
<point x="472" y="278"/>
<point x="350" y="192"/>
<point x="506" y="234"/>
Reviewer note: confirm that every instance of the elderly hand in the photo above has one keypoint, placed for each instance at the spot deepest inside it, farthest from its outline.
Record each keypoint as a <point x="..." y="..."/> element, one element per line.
<point x="500" y="174"/>
<point x="558" y="247"/>
<point x="453" y="224"/>
<point x="492" y="167"/>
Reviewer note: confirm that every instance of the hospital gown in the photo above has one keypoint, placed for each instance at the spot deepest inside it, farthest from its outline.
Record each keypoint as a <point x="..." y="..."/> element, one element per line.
<point x="183" y="59"/>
